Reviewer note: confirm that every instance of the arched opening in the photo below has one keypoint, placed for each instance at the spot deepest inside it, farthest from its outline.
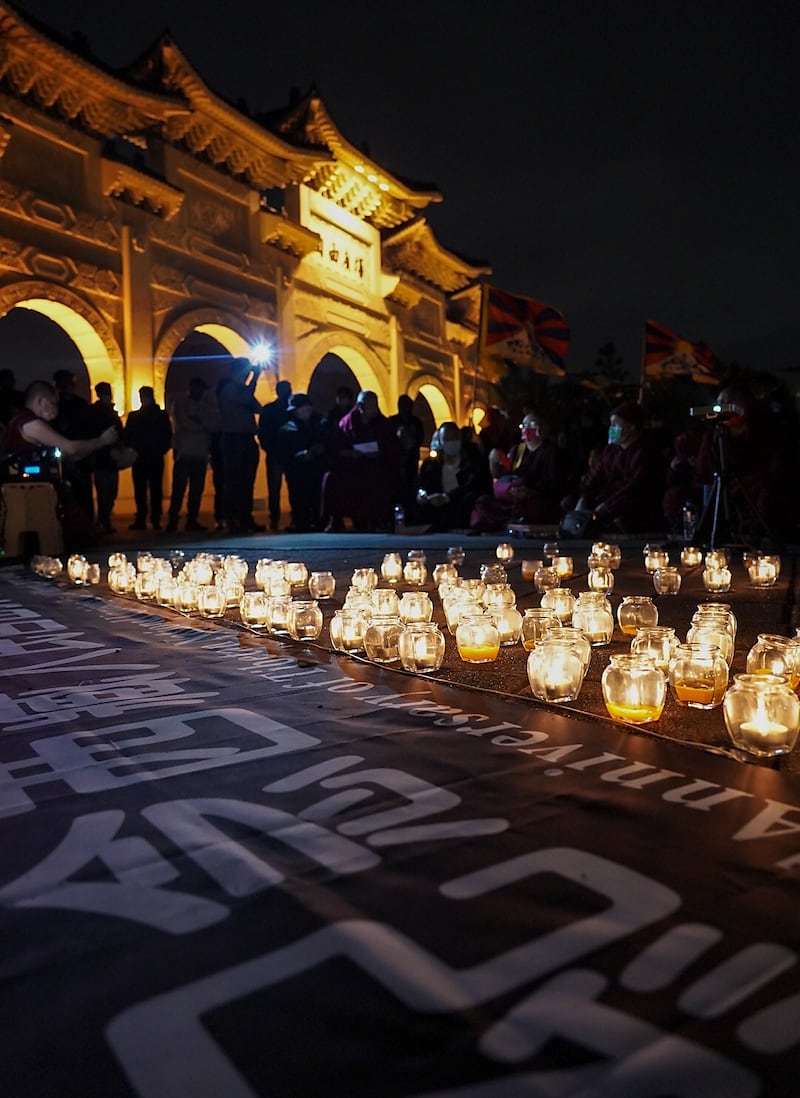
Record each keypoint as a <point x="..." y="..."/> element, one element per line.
<point x="346" y="355"/>
<point x="45" y="328"/>
<point x="200" y="354"/>
<point x="331" y="373"/>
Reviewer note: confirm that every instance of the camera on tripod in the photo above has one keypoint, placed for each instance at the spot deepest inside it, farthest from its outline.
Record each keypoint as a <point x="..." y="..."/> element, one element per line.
<point x="717" y="413"/>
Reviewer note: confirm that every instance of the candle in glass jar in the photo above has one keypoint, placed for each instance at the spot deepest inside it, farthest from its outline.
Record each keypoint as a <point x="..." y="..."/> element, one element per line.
<point x="691" y="556"/>
<point x="321" y="585"/>
<point x="563" y="566"/>
<point x="529" y="568"/>
<point x="415" y="572"/>
<point x="716" y="579"/>
<point x="504" y="552"/>
<point x="667" y="581"/>
<point x="392" y="568"/>
<point x="762" y="573"/>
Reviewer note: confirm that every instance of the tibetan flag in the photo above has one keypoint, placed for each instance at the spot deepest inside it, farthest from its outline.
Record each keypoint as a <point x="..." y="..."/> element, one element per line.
<point x="667" y="355"/>
<point x="521" y="330"/>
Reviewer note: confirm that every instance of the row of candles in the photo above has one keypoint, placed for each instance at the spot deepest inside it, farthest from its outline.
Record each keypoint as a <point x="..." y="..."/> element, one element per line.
<point x="482" y="616"/>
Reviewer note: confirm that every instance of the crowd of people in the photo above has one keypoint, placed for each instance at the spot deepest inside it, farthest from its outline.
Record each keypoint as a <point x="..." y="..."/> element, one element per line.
<point x="356" y="463"/>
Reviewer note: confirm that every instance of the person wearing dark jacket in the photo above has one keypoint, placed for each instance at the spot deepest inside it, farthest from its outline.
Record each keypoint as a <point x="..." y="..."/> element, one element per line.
<point x="149" y="431"/>
<point x="451" y="480"/>
<point x="106" y="473"/>
<point x="300" y="450"/>
<point x="272" y="418"/>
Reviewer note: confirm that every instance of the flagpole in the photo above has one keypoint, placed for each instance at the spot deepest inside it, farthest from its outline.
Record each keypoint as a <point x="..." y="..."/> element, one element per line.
<point x="481" y="344"/>
<point x="641" y="368"/>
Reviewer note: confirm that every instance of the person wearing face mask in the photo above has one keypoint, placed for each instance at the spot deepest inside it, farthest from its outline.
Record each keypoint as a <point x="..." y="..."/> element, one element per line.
<point x="450" y="481"/>
<point x="300" y="449"/>
<point x="625" y="486"/>
<point x="363" y="477"/>
<point x="529" y="481"/>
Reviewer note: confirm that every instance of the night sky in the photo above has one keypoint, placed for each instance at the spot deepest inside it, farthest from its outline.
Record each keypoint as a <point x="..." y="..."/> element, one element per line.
<point x="618" y="160"/>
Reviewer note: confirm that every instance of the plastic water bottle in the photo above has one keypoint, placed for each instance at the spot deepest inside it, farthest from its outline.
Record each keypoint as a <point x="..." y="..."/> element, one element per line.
<point x="399" y="517"/>
<point x="689" y="521"/>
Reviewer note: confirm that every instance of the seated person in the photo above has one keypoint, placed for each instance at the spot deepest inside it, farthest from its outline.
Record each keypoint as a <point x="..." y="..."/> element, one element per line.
<point x="528" y="484"/>
<point x="363" y="480"/>
<point x="300" y="449"/>
<point x="30" y="429"/>
<point x="625" y="487"/>
<point x="450" y="481"/>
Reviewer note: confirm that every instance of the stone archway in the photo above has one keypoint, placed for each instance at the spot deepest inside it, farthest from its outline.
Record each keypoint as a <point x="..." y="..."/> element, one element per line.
<point x="85" y="326"/>
<point x="232" y="332"/>
<point x="430" y="388"/>
<point x="370" y="371"/>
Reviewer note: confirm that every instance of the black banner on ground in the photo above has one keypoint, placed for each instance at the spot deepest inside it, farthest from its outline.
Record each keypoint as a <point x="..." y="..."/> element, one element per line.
<point x="230" y="870"/>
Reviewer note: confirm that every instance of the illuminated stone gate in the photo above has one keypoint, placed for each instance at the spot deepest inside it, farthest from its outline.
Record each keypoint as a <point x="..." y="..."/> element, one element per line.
<point x="138" y="208"/>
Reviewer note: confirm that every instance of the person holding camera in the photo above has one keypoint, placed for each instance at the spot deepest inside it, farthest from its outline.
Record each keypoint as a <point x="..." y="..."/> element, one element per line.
<point x="238" y="409"/>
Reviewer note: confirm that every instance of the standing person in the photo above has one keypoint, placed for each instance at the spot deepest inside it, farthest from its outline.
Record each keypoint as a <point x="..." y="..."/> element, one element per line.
<point x="74" y="420"/>
<point x="272" y="418"/>
<point x="301" y="448"/>
<point x="106" y="473"/>
<point x="149" y="432"/>
<point x="194" y="419"/>
<point x="410" y="435"/>
<point x="238" y="409"/>
<point x="364" y="472"/>
<point x="344" y="403"/>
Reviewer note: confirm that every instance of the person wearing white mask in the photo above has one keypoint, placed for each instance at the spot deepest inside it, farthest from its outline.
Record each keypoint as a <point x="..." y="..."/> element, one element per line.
<point x="451" y="480"/>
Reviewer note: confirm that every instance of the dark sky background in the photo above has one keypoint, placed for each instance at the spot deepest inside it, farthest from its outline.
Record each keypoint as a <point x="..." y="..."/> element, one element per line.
<point x="618" y="160"/>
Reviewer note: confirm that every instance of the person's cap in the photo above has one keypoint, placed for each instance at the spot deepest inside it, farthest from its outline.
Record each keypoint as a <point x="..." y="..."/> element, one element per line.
<point x="298" y="400"/>
<point x="630" y="411"/>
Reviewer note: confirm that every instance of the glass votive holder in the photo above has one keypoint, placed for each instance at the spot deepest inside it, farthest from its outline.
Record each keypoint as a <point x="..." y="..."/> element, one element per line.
<point x="167" y="590"/>
<point x="200" y="571"/>
<point x="278" y="608"/>
<point x="364" y="579"/>
<point x="235" y="567"/>
<point x="536" y="622"/>
<point x="347" y="630"/>
<point x="456" y="555"/>
<point x="592" y="615"/>
<point x="712" y="630"/>
<point x="144" y="560"/>
<point x="717" y="580"/>
<point x="721" y="609"/>
<point x="613" y="552"/>
<point x="634" y="689"/>
<point x="504" y="552"/>
<point x="456" y="607"/>
<point x="186" y="599"/>
<point x="509" y="624"/>
<point x="392" y="567"/>
<point x="776" y="655"/>
<point x="658" y="642"/>
<point x="528" y="569"/>
<point x="636" y="611"/>
<point x="321" y="585"/>
<point x="555" y="671"/>
<point x="545" y="579"/>
<point x="563" y="566"/>
<point x="414" y="572"/>
<point x="762" y="715"/>
<point x="762" y="573"/>
<point x="561" y="601"/>
<point x="76" y="568"/>
<point x="421" y="647"/>
<point x="415" y="606"/>
<point x="253" y="609"/>
<point x="493" y="573"/>
<point x="232" y="589"/>
<point x="146" y="587"/>
<point x="211" y="601"/>
<point x="600" y="579"/>
<point x="667" y="581"/>
<point x="305" y="620"/>
<point x="115" y="560"/>
<point x="385" y="600"/>
<point x="774" y="560"/>
<point x="577" y="638"/>
<point x="381" y="639"/>
<point x="716" y="558"/>
<point x="691" y="556"/>
<point x="477" y="639"/>
<point x="122" y="579"/>
<point x="698" y="676"/>
<point x="444" y="573"/>
<point x="655" y="558"/>
<point x="297" y="574"/>
<point x="498" y="595"/>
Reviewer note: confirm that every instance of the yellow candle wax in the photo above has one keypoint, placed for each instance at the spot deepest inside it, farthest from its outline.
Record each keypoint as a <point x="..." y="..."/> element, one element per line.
<point x="695" y="692"/>
<point x="478" y="653"/>
<point x="634" y="713"/>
